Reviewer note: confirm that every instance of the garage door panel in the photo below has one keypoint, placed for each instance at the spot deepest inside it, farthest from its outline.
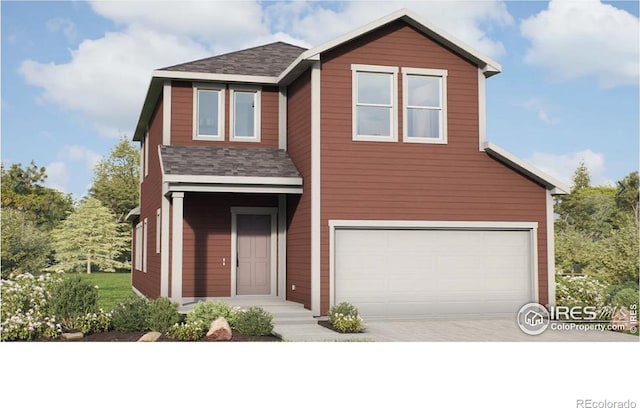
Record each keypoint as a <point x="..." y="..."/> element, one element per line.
<point x="432" y="272"/>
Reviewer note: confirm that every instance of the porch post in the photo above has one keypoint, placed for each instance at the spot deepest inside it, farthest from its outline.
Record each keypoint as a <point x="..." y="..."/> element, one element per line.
<point x="176" y="247"/>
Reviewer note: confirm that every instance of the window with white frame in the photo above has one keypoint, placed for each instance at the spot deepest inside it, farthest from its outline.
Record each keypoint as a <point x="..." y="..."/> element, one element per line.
<point x="144" y="246"/>
<point x="208" y="112"/>
<point x="138" y="247"/>
<point x="375" y="97"/>
<point x="245" y="114"/>
<point x="158" y="230"/>
<point x="425" y="105"/>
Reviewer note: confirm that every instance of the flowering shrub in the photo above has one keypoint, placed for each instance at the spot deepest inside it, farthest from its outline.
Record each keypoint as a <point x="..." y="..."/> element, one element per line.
<point x="579" y="291"/>
<point x="207" y="312"/>
<point x="254" y="321"/>
<point x="89" y="323"/>
<point x="25" y="309"/>
<point x="190" y="331"/>
<point x="163" y="313"/>
<point x="345" y="318"/>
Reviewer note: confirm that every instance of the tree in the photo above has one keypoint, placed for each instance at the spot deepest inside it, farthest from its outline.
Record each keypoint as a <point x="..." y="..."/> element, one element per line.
<point x="22" y="190"/>
<point x="116" y="180"/>
<point x="581" y="177"/>
<point x="25" y="248"/>
<point x="627" y="200"/>
<point x="89" y="237"/>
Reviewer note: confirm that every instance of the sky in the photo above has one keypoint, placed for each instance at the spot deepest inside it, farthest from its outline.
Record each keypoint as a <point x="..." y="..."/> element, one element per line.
<point x="74" y="74"/>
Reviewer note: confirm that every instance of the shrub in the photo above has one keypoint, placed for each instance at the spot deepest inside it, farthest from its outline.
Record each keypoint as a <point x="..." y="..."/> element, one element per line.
<point x="73" y="296"/>
<point x="345" y="318"/>
<point x="192" y="331"/>
<point x="207" y="312"/>
<point x="163" y="313"/>
<point x="254" y="321"/>
<point x="25" y="311"/>
<point x="579" y="291"/>
<point x="626" y="298"/>
<point x="90" y="323"/>
<point x="612" y="290"/>
<point x="131" y="315"/>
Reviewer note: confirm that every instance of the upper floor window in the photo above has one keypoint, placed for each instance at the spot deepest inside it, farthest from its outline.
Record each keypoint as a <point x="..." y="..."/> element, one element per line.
<point x="375" y="97"/>
<point x="424" y="104"/>
<point x="208" y="112"/>
<point x="245" y="114"/>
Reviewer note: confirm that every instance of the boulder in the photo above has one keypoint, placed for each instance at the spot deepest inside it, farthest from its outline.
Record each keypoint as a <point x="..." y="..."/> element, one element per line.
<point x="72" y="336"/>
<point x="622" y="320"/>
<point x="219" y="330"/>
<point x="150" y="337"/>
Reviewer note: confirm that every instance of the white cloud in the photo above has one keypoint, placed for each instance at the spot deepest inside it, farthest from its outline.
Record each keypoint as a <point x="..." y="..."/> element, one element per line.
<point x="576" y="39"/>
<point x="542" y="111"/>
<point x="63" y="25"/>
<point x="57" y="176"/>
<point x="562" y="166"/>
<point x="80" y="153"/>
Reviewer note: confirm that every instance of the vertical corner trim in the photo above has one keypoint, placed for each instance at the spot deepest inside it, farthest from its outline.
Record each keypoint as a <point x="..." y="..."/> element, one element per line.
<point x="551" y="262"/>
<point x="282" y="246"/>
<point x="166" y="113"/>
<point x="164" y="242"/>
<point x="482" y="110"/>
<point x="176" y="250"/>
<point x="315" y="189"/>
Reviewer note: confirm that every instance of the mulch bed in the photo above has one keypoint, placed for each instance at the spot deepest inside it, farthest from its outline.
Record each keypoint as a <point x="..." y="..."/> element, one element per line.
<point x="114" y="336"/>
<point x="326" y="324"/>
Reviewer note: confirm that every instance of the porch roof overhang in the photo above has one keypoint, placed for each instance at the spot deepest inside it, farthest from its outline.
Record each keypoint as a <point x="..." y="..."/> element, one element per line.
<point x="216" y="169"/>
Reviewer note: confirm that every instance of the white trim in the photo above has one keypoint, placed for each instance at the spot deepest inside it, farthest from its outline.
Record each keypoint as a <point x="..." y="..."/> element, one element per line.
<point x="282" y="246"/>
<point x="551" y="183"/>
<point x="164" y="242"/>
<point x="438" y="73"/>
<point x="257" y="123"/>
<point x="551" y="261"/>
<point x="137" y="292"/>
<point x="285" y="181"/>
<point x="141" y="169"/>
<point x="166" y="113"/>
<point x="177" y="245"/>
<point x="282" y="118"/>
<point x="393" y="120"/>
<point x="532" y="227"/>
<point x="204" y="76"/>
<point x="230" y="188"/>
<point x="138" y="248"/>
<point x="482" y="109"/>
<point x="158" y="230"/>
<point x="146" y="153"/>
<point x="145" y="246"/>
<point x="273" y="213"/>
<point x="315" y="188"/>
<point x="197" y="87"/>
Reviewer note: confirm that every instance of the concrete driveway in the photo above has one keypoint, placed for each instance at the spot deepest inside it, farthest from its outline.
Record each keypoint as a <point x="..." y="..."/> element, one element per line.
<point x="490" y="329"/>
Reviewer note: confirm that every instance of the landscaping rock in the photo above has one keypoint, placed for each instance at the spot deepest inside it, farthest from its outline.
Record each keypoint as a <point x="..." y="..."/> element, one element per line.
<point x="150" y="337"/>
<point x="622" y="320"/>
<point x="219" y="330"/>
<point x="72" y="336"/>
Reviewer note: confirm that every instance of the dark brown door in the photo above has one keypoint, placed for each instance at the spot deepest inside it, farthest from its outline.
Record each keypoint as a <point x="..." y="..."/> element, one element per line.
<point x="253" y="271"/>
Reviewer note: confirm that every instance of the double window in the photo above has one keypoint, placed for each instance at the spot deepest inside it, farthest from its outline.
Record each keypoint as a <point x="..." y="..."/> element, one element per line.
<point x="375" y="102"/>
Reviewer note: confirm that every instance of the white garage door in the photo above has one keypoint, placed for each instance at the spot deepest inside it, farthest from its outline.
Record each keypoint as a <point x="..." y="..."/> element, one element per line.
<point x="438" y="273"/>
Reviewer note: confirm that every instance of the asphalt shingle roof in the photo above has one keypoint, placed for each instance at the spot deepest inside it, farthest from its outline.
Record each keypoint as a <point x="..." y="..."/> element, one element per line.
<point x="226" y="161"/>
<point x="265" y="60"/>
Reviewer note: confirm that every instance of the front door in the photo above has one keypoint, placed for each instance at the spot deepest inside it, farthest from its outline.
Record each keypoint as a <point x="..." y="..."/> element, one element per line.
<point x="253" y="263"/>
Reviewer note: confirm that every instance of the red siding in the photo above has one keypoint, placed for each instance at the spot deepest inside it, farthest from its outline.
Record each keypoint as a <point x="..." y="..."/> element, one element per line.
<point x="299" y="207"/>
<point x="182" y="118"/>
<point x="207" y="240"/>
<point x="150" y="200"/>
<point x="401" y="181"/>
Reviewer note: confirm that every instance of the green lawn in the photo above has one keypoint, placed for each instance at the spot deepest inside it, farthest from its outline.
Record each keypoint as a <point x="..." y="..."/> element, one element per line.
<point x="112" y="288"/>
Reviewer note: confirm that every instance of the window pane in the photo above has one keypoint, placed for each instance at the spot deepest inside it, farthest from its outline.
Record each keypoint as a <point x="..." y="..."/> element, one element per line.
<point x="208" y="113"/>
<point x="374" y="121"/>
<point x="423" y="123"/>
<point x="374" y="88"/>
<point x="244" y="114"/>
<point x="423" y="90"/>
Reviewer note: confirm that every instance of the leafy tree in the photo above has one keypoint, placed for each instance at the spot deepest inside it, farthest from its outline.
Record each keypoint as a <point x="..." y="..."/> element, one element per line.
<point x="89" y="237"/>
<point x="23" y="190"/>
<point x="25" y="248"/>
<point x="589" y="210"/>
<point x="628" y="199"/>
<point x="616" y="256"/>
<point x="116" y="179"/>
<point x="581" y="177"/>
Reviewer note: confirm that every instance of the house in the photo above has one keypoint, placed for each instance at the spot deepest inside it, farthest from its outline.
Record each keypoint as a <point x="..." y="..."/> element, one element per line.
<point x="358" y="170"/>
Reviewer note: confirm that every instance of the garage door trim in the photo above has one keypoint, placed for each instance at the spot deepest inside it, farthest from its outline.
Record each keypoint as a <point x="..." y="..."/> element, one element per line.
<point x="531" y="227"/>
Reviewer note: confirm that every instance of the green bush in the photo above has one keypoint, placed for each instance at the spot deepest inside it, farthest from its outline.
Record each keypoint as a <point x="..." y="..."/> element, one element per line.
<point x="192" y="331"/>
<point x="89" y="323"/>
<point x="612" y="290"/>
<point x="72" y="297"/>
<point x="579" y="291"/>
<point x="131" y="315"/>
<point x="207" y="312"/>
<point x="254" y="321"/>
<point x="345" y="318"/>
<point x="163" y="313"/>
<point x="626" y="298"/>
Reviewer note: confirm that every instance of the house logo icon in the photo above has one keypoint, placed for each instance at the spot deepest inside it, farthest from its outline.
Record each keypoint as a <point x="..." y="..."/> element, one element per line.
<point x="533" y="319"/>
